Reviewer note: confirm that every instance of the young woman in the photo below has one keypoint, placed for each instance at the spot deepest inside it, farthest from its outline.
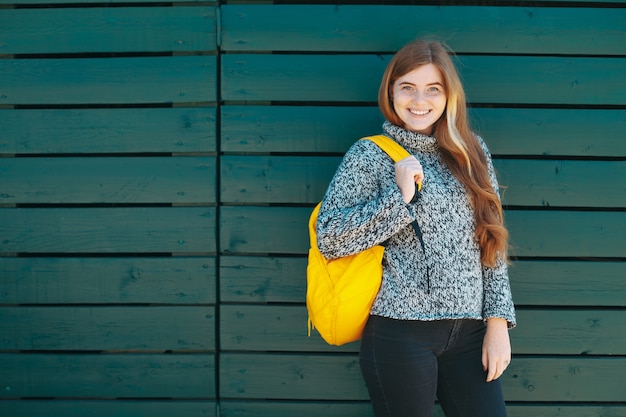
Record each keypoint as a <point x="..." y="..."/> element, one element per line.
<point x="439" y="325"/>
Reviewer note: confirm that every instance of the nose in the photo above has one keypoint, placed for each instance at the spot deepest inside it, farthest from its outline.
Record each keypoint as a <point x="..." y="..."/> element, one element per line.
<point x="418" y="96"/>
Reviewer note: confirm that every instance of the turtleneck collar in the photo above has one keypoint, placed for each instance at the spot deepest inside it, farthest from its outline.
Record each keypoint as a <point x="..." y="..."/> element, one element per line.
<point x="411" y="140"/>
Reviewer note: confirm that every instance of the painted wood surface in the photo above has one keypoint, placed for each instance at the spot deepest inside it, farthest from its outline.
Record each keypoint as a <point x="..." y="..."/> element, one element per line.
<point x="534" y="233"/>
<point x="107" y="30"/>
<point x="115" y="375"/>
<point x="541" y="331"/>
<point x="525" y="182"/>
<point x="140" y="328"/>
<point x="160" y="161"/>
<point x="108" y="131"/>
<point x="88" y="2"/>
<point x="108" y="280"/>
<point x="125" y="80"/>
<point x="487" y="79"/>
<point x="100" y="408"/>
<point x="556" y="379"/>
<point x="507" y="131"/>
<point x="363" y="409"/>
<point x="475" y="29"/>
<point x="108" y="230"/>
<point x="548" y="282"/>
<point x="108" y="180"/>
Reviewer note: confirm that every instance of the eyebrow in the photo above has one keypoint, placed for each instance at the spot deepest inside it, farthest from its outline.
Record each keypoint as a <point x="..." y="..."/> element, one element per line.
<point x="429" y="84"/>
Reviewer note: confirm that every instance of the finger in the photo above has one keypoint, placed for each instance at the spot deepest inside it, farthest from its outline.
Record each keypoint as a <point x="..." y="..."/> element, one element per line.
<point x="485" y="360"/>
<point x="491" y="374"/>
<point x="496" y="369"/>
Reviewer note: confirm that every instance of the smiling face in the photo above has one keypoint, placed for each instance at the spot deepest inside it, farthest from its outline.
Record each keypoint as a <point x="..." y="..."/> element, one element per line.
<point x="419" y="98"/>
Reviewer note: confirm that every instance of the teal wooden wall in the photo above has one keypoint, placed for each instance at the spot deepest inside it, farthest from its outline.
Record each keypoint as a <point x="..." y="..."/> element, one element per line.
<point x="158" y="163"/>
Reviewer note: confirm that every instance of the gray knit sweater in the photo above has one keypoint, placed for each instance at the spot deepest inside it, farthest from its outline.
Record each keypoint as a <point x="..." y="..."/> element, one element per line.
<point x="363" y="207"/>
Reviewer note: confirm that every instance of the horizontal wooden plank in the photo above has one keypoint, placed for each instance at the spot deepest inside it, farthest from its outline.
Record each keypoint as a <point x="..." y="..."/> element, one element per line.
<point x="267" y="129"/>
<point x="507" y="131"/>
<point x="552" y="132"/>
<point x="255" y="279"/>
<point x="172" y="79"/>
<point x="539" y="331"/>
<point x="568" y="283"/>
<point x="302" y="179"/>
<point x="562" y="183"/>
<point x="259" y="328"/>
<point x="106" y="29"/>
<point x="179" y="180"/>
<point x="252" y="279"/>
<point x="74" y="131"/>
<point x="467" y="29"/>
<point x="566" y="234"/>
<point x="93" y="376"/>
<point x="230" y="408"/>
<point x="487" y="79"/>
<point x="80" y="2"/>
<point x="283" y="230"/>
<point x="108" y="230"/>
<point x="275" y="179"/>
<point x="529" y="379"/>
<point x="264" y="230"/>
<point x="364" y="409"/>
<point x="175" y="280"/>
<point x="571" y="332"/>
<point x="176" y="328"/>
<point x="290" y="377"/>
<point x="107" y="408"/>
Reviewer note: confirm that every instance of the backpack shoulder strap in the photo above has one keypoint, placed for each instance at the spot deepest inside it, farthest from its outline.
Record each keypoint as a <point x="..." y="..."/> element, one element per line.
<point x="393" y="148"/>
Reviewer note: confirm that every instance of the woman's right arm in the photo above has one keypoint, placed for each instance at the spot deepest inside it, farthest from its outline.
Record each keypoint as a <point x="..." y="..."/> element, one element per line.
<point x="363" y="205"/>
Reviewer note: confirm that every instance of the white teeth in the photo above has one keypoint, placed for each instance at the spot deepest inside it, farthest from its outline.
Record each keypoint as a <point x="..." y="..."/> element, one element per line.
<point x="419" y="112"/>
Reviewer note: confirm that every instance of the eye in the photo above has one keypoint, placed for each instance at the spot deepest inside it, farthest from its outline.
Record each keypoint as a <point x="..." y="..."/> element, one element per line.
<point x="434" y="90"/>
<point x="407" y="88"/>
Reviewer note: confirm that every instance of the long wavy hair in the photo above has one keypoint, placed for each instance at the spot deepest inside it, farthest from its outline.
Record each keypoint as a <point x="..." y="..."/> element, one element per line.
<point x="460" y="148"/>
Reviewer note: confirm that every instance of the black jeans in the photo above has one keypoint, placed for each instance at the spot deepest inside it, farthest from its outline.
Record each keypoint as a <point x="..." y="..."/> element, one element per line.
<point x="407" y="363"/>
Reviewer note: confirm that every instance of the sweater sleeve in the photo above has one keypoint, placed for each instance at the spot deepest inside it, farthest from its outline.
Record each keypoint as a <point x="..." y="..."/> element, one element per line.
<point x="362" y="206"/>
<point x="498" y="300"/>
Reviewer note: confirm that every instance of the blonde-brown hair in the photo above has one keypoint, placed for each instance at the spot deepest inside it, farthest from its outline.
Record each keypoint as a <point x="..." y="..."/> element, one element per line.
<point x="460" y="148"/>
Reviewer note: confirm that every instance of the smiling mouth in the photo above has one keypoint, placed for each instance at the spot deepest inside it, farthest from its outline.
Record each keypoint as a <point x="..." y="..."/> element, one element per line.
<point x="419" y="112"/>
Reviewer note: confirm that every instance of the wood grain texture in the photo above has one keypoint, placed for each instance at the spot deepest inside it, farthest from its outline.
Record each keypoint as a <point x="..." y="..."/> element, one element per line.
<point x="507" y="131"/>
<point x="93" y="180"/>
<point x="107" y="408"/>
<point x="114" y="30"/>
<point x="173" y="79"/>
<point x="363" y="409"/>
<point x="487" y="79"/>
<point x="467" y="29"/>
<point x="528" y="379"/>
<point x="108" y="230"/>
<point x="87" y="2"/>
<point x="141" y="328"/>
<point x="91" y="376"/>
<point x="538" y="233"/>
<point x="569" y="283"/>
<point x="525" y="182"/>
<point x="119" y="131"/>
<point x="109" y="280"/>
<point x="254" y="279"/>
<point x="539" y="331"/>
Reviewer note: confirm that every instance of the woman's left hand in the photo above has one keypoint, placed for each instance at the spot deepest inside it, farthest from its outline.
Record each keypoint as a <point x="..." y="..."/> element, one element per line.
<point x="496" y="348"/>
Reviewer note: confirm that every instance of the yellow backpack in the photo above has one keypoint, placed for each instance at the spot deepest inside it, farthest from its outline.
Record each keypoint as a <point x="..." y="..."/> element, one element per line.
<point x="340" y="292"/>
